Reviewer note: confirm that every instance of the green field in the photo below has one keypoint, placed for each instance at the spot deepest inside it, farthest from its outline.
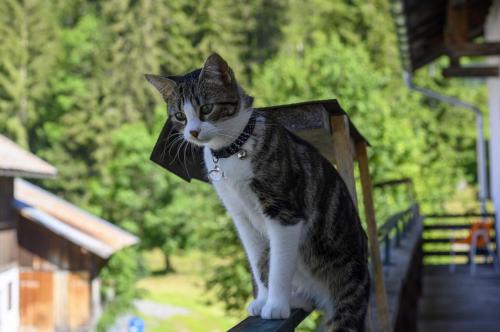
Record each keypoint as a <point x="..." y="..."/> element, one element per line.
<point x="184" y="289"/>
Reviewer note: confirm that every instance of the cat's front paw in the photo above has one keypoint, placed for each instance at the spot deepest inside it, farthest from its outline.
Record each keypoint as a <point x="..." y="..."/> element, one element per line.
<point x="255" y="308"/>
<point x="275" y="310"/>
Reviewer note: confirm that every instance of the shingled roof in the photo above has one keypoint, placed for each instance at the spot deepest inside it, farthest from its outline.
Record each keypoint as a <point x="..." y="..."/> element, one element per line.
<point x="15" y="161"/>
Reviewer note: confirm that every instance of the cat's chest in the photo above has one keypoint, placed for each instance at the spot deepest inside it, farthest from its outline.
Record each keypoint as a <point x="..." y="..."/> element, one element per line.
<point x="234" y="172"/>
<point x="234" y="188"/>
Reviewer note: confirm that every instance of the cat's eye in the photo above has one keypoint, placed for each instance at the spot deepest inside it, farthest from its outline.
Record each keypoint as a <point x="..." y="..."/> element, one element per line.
<point x="206" y="109"/>
<point x="180" y="116"/>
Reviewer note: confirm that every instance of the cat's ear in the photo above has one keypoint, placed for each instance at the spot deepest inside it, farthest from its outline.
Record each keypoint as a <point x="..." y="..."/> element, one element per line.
<point x="216" y="70"/>
<point x="164" y="85"/>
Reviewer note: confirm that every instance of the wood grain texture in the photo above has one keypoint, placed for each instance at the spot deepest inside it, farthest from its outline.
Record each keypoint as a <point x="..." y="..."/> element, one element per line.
<point x="78" y="300"/>
<point x="257" y="324"/>
<point x="344" y="153"/>
<point x="460" y="302"/>
<point x="36" y="301"/>
<point x="380" y="292"/>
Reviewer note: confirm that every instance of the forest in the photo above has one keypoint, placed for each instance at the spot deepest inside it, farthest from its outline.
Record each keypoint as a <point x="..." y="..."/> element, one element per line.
<point x="72" y="90"/>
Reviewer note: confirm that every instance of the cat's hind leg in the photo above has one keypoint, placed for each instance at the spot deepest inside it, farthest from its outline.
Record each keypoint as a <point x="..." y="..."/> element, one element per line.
<point x="299" y="300"/>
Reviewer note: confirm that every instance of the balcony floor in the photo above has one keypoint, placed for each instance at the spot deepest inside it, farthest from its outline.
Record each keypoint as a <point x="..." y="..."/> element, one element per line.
<point x="460" y="302"/>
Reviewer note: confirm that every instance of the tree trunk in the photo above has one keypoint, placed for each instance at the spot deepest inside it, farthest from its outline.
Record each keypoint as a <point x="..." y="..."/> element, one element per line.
<point x="168" y="264"/>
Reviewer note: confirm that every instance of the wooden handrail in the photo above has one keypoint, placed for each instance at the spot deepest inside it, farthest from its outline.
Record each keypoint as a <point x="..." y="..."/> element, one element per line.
<point x="457" y="215"/>
<point x="257" y="324"/>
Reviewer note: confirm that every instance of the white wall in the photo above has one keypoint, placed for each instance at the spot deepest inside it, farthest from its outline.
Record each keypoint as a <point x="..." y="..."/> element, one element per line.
<point x="492" y="33"/>
<point x="9" y="318"/>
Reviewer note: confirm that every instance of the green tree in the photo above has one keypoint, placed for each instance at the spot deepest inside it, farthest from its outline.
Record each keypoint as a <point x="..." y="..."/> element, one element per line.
<point x="28" y="35"/>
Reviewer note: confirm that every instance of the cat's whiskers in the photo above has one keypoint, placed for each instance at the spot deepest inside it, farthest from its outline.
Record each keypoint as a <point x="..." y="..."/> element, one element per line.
<point x="177" y="140"/>
<point x="184" y="159"/>
<point x="168" y="141"/>
<point x="172" y="144"/>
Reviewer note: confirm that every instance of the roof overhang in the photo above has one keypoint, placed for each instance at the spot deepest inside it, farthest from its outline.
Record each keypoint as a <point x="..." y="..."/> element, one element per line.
<point x="97" y="235"/>
<point x="428" y="29"/>
<point x="17" y="162"/>
<point x="58" y="227"/>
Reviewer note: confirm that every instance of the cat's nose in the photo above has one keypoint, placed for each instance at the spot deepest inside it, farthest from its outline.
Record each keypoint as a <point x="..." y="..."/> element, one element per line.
<point x="194" y="133"/>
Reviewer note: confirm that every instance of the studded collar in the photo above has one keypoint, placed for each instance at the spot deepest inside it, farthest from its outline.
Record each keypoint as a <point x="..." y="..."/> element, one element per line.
<point x="236" y="145"/>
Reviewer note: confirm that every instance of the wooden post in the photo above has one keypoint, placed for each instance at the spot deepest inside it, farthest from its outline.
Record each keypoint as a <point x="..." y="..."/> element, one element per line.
<point x="343" y="152"/>
<point x="380" y="293"/>
<point x="6" y="196"/>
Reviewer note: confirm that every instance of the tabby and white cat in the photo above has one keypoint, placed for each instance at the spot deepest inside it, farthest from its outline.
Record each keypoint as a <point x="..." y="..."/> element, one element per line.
<point x="295" y="217"/>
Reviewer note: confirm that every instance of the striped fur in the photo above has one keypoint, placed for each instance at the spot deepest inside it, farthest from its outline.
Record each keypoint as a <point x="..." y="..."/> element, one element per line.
<point x="293" y="212"/>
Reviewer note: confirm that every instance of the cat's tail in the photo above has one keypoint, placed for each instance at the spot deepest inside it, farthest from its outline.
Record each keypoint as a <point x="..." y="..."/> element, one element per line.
<point x="350" y="306"/>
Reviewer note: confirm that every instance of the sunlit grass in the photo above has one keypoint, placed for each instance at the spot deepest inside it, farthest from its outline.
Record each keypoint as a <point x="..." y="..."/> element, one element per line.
<point x="184" y="289"/>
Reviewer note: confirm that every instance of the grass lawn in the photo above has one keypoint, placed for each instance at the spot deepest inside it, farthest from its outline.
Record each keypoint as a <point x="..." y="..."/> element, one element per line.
<point x="184" y="289"/>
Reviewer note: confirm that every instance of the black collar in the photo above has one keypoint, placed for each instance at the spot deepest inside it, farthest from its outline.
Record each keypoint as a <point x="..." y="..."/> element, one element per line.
<point x="235" y="147"/>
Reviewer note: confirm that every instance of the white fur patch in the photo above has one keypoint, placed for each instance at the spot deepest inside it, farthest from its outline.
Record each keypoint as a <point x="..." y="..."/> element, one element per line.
<point x="193" y="121"/>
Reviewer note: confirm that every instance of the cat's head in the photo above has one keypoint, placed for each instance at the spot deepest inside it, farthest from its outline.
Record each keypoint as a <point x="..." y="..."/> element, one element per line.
<point x="207" y="105"/>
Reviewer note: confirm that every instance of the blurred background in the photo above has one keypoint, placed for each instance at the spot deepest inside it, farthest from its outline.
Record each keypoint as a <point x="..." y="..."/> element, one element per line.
<point x="72" y="92"/>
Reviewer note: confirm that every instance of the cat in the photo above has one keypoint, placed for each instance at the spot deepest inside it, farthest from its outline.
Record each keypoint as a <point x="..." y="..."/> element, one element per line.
<point x="293" y="212"/>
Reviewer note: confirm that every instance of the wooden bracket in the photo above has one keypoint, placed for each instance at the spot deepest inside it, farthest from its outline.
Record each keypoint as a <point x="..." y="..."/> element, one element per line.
<point x="457" y="44"/>
<point x="456" y="71"/>
<point x="473" y="49"/>
<point x="344" y="152"/>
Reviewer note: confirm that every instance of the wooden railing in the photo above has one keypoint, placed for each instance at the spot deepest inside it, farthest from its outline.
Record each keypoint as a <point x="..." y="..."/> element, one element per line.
<point x="395" y="229"/>
<point x="391" y="235"/>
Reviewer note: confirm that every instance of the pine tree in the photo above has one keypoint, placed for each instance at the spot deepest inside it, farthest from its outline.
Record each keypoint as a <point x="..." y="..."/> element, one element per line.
<point x="28" y="35"/>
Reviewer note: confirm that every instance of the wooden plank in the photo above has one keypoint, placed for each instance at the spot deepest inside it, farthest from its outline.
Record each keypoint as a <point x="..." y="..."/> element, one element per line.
<point x="475" y="71"/>
<point x="447" y="239"/>
<point x="459" y="301"/>
<point x="380" y="293"/>
<point x="453" y="215"/>
<point x="473" y="49"/>
<point x="257" y="324"/>
<point x="60" y="297"/>
<point x="36" y="301"/>
<point x="6" y="195"/>
<point x="8" y="246"/>
<point x="78" y="293"/>
<point x="344" y="152"/>
<point x="456" y="23"/>
<point x="479" y="252"/>
<point x="446" y="227"/>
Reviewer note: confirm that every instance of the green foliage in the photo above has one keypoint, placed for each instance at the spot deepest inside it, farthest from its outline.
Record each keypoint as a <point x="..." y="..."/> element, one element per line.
<point x="30" y="31"/>
<point x="118" y="278"/>
<point x="72" y="90"/>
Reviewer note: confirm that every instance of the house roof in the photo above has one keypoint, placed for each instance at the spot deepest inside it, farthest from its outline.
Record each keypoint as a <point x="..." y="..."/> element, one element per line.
<point x="61" y="217"/>
<point x="15" y="161"/>
<point x="421" y="24"/>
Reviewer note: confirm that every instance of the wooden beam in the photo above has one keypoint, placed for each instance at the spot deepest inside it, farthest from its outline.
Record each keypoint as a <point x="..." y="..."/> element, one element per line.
<point x="380" y="293"/>
<point x="473" y="49"/>
<point x="257" y="324"/>
<point x="471" y="71"/>
<point x="6" y="196"/>
<point x="456" y="23"/>
<point x="344" y="152"/>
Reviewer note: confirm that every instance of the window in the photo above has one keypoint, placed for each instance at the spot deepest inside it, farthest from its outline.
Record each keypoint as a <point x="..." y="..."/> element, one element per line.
<point x="9" y="296"/>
